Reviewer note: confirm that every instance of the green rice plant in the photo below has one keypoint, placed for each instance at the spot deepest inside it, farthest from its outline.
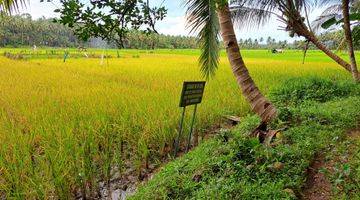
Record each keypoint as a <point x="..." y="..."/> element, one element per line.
<point x="67" y="126"/>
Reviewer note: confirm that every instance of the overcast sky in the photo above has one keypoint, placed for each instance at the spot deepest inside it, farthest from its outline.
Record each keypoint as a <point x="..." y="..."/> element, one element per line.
<point x="174" y="23"/>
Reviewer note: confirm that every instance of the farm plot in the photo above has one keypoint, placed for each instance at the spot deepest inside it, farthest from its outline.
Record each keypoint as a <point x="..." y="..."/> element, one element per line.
<point x="65" y="125"/>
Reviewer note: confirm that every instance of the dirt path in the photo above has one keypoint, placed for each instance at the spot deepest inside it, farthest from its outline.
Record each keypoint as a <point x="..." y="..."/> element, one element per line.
<point x="318" y="186"/>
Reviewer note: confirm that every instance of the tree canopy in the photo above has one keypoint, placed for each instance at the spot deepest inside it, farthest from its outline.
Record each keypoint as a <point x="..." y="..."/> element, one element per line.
<point x="22" y="30"/>
<point x="110" y="20"/>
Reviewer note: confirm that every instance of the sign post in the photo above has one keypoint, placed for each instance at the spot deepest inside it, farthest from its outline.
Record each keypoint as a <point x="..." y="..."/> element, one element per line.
<point x="192" y="94"/>
<point x="191" y="129"/>
<point x="180" y="132"/>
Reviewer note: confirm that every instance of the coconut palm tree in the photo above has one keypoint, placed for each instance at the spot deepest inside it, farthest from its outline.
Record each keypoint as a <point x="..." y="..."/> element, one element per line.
<point x="209" y="18"/>
<point x="9" y="6"/>
<point x="341" y="10"/>
<point x="250" y="12"/>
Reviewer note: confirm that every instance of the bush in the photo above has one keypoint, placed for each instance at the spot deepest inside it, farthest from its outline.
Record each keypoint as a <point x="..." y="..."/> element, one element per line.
<point x="296" y="91"/>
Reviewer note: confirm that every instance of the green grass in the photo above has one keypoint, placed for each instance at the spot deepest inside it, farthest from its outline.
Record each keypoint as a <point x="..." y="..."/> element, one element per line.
<point x="241" y="168"/>
<point x="63" y="125"/>
<point x="347" y="177"/>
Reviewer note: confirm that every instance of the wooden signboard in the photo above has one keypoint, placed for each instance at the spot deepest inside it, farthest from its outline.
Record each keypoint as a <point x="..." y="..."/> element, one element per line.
<point x="192" y="93"/>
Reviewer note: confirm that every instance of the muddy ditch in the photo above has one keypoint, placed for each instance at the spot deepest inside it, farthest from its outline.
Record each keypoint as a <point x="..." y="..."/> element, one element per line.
<point x="125" y="184"/>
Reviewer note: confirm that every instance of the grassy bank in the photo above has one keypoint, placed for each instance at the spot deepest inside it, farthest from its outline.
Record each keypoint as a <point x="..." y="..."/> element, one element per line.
<point x="233" y="166"/>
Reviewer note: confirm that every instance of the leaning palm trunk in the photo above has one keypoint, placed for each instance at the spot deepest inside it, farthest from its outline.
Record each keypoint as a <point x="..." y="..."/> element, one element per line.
<point x="311" y="37"/>
<point x="347" y="29"/>
<point x="297" y="24"/>
<point x="259" y="104"/>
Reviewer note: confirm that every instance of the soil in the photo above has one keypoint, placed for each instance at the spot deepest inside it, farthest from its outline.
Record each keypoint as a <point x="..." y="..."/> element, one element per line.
<point x="317" y="186"/>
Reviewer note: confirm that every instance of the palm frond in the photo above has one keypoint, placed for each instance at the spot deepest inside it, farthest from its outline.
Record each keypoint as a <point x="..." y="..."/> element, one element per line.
<point x="250" y="17"/>
<point x="333" y="9"/>
<point x="257" y="12"/>
<point x="266" y="5"/>
<point x="319" y="21"/>
<point x="9" y="6"/>
<point x="202" y="19"/>
<point x="329" y="2"/>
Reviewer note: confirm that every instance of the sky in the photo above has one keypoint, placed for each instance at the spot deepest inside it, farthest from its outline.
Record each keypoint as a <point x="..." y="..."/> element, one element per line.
<point x="175" y="22"/>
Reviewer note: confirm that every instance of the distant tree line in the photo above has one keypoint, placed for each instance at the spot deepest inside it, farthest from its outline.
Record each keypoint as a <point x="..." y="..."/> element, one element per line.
<point x="139" y="40"/>
<point x="261" y="43"/>
<point x="22" y="30"/>
<point x="333" y="40"/>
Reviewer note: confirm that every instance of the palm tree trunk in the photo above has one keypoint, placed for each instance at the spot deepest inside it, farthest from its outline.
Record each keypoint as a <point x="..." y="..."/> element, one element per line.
<point x="301" y="29"/>
<point x="311" y="37"/>
<point x="347" y="29"/>
<point x="259" y="104"/>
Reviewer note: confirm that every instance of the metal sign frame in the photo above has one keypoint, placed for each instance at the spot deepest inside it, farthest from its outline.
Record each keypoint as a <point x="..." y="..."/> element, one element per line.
<point x="192" y="94"/>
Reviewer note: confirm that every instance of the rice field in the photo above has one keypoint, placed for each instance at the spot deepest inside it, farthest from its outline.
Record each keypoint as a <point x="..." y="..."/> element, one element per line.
<point x="66" y="125"/>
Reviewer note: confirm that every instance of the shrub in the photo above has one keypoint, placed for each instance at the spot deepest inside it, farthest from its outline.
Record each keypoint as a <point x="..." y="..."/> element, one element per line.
<point x="296" y="91"/>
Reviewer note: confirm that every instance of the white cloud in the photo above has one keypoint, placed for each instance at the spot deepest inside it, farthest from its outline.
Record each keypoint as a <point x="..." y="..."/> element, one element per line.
<point x="173" y="26"/>
<point x="38" y="9"/>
